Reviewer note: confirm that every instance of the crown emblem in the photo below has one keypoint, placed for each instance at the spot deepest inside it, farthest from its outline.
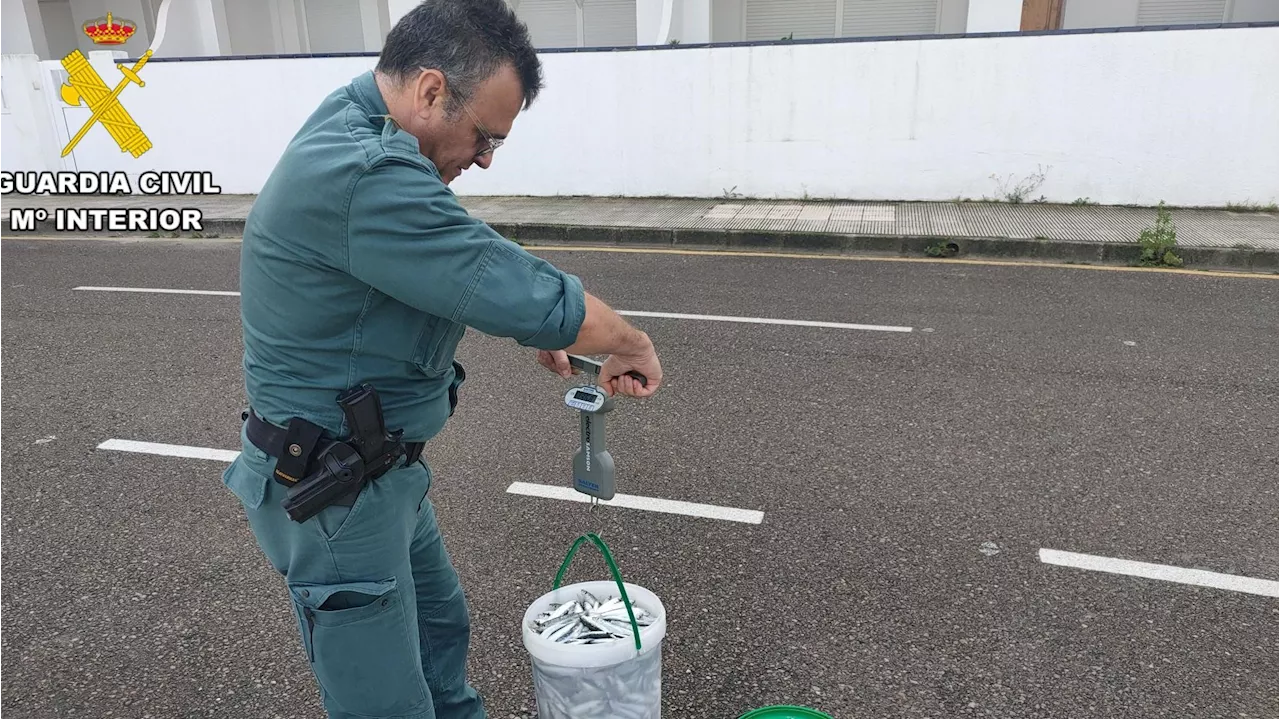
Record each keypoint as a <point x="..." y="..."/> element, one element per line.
<point x="106" y="31"/>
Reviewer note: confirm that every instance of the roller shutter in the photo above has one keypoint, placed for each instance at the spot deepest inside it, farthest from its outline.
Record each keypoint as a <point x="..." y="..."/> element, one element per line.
<point x="865" y="18"/>
<point x="1181" y="12"/>
<point x="552" y="23"/>
<point x="609" y="23"/>
<point x="776" y="19"/>
<point x="333" y="26"/>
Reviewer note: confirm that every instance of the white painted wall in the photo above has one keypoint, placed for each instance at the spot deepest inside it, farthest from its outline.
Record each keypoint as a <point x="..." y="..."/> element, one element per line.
<point x="1116" y="117"/>
<point x="726" y="20"/>
<point x="397" y="9"/>
<point x="953" y="16"/>
<point x="1255" y="11"/>
<point x="649" y="20"/>
<point x="994" y="16"/>
<point x="695" y="21"/>
<point x="22" y="28"/>
<point x="689" y="21"/>
<point x="1119" y="118"/>
<point x="250" y="28"/>
<point x="29" y="123"/>
<point x="334" y="25"/>
<point x="371" y="28"/>
<point x="59" y="28"/>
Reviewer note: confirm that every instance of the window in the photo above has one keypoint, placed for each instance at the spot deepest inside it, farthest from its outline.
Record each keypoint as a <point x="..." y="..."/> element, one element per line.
<point x="333" y="26"/>
<point x="609" y="23"/>
<point x="795" y="19"/>
<point x="565" y="23"/>
<point x="801" y="19"/>
<point x="889" y="17"/>
<point x="1181" y="12"/>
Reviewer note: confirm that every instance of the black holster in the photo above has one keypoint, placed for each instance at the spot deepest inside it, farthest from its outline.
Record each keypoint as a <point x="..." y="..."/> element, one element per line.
<point x="321" y="472"/>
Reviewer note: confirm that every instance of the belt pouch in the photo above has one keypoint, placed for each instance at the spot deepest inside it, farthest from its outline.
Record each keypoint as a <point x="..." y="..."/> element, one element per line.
<point x="295" y="456"/>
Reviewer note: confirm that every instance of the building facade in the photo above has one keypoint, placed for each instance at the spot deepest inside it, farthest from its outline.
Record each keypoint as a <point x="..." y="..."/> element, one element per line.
<point x="52" y="28"/>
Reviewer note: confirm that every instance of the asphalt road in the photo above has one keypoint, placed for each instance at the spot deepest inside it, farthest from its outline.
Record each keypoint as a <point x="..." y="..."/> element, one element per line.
<point x="1120" y="414"/>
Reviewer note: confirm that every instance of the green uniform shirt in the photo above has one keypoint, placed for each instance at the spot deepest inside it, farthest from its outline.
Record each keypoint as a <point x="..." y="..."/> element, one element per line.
<point x="359" y="265"/>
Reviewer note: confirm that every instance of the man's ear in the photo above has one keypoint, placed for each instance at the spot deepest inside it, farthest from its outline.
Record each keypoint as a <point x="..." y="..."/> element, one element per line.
<point x="429" y="93"/>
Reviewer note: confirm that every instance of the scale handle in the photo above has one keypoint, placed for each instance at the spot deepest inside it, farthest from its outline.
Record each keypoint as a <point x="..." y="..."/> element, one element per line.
<point x="587" y="364"/>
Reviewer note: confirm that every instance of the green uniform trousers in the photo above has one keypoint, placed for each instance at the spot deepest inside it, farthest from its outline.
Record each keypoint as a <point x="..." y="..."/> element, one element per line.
<point x="382" y="616"/>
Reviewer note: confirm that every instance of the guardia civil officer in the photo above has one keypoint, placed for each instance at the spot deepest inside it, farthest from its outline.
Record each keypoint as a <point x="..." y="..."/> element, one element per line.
<point x="359" y="274"/>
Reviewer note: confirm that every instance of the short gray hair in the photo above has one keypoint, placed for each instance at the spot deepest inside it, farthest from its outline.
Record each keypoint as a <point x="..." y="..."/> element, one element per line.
<point x="467" y="41"/>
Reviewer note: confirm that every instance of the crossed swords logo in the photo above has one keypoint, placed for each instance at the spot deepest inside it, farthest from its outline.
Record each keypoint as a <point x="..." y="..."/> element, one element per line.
<point x="85" y="84"/>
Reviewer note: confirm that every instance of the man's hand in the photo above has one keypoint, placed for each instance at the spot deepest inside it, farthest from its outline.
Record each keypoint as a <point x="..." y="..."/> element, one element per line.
<point x="603" y="331"/>
<point x="557" y="362"/>
<point x="613" y="373"/>
<point x="644" y="359"/>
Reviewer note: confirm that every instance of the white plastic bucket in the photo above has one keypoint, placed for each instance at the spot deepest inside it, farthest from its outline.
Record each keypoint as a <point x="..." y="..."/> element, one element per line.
<point x="592" y="681"/>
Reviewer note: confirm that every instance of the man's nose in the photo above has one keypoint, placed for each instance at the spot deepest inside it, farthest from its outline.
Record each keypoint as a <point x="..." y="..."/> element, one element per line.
<point x="484" y="160"/>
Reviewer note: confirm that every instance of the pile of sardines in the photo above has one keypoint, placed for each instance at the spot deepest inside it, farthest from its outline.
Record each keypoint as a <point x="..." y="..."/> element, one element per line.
<point x="587" y="620"/>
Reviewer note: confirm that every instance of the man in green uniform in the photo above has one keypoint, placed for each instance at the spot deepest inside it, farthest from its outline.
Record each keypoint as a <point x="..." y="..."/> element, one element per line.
<point x="359" y="266"/>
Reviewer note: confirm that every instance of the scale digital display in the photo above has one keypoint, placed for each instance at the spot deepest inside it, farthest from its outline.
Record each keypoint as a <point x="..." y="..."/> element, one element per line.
<point x="585" y="396"/>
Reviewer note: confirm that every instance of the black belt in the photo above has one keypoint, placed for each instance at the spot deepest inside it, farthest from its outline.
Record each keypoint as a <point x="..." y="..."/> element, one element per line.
<point x="271" y="439"/>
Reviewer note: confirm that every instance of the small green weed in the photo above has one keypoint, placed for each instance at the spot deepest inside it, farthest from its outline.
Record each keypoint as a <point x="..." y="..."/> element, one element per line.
<point x="942" y="249"/>
<point x="1250" y="207"/>
<point x="1018" y="192"/>
<point x="1158" y="241"/>
<point x="1083" y="201"/>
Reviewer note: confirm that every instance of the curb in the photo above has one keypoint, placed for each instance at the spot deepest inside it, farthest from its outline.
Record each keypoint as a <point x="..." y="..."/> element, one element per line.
<point x="1108" y="253"/>
<point x="1047" y="250"/>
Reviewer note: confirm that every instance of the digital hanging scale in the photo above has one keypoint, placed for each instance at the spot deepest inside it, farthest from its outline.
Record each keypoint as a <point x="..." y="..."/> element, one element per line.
<point x="593" y="465"/>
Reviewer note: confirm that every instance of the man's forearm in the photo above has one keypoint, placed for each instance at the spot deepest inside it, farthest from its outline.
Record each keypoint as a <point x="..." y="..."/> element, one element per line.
<point x="604" y="331"/>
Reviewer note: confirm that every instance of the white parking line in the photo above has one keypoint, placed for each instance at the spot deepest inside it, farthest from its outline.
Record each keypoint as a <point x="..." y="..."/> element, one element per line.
<point x="154" y="290"/>
<point x="766" y="321"/>
<point x="170" y="450"/>
<point x="651" y="504"/>
<point x="1163" y="572"/>
<point x="632" y="313"/>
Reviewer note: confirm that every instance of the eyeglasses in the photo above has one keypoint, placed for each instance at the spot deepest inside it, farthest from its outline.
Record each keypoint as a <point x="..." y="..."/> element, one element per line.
<point x="492" y="142"/>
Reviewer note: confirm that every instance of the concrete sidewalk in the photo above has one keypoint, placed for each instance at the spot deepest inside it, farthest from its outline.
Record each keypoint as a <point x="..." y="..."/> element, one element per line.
<point x="1207" y="239"/>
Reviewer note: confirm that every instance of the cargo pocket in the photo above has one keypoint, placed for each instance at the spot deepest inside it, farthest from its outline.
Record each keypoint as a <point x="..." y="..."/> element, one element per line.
<point x="357" y="638"/>
<point x="439" y="338"/>
<point x="249" y="486"/>
<point x="459" y="376"/>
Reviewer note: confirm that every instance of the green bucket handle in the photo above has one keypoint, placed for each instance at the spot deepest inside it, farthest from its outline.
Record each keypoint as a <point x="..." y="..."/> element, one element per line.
<point x="613" y="569"/>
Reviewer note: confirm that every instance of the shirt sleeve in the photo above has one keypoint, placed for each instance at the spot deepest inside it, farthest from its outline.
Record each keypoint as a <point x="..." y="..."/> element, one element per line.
<point x="408" y="237"/>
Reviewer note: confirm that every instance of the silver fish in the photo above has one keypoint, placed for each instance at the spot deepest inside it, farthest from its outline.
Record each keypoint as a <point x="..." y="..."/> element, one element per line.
<point x="588" y="620"/>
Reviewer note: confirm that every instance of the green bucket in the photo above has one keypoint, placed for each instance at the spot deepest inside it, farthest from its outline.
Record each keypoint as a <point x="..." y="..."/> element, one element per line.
<point x="785" y="712"/>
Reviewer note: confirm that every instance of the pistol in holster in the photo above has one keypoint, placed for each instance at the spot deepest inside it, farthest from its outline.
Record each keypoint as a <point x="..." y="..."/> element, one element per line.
<point x="320" y="472"/>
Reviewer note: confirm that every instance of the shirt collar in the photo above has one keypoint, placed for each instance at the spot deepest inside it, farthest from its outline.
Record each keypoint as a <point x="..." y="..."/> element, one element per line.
<point x="367" y="92"/>
<point x="368" y="96"/>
